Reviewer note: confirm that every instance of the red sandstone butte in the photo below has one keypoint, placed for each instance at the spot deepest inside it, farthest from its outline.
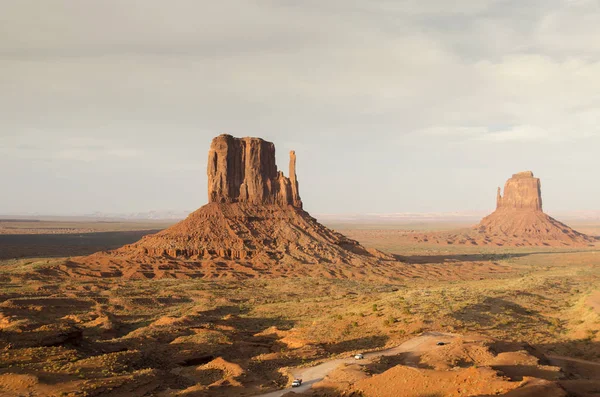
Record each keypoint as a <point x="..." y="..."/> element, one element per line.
<point x="520" y="220"/>
<point x="253" y="226"/>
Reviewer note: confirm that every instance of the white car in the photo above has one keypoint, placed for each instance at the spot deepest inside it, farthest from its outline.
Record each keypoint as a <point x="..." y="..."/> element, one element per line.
<point x="296" y="382"/>
<point x="359" y="356"/>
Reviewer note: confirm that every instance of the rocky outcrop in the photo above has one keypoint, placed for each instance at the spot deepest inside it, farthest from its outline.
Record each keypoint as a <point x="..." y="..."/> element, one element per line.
<point x="517" y="221"/>
<point x="243" y="170"/>
<point x="253" y="226"/>
<point x="521" y="192"/>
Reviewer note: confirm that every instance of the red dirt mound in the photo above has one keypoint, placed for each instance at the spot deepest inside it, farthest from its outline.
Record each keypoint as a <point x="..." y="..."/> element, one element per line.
<point x="404" y="381"/>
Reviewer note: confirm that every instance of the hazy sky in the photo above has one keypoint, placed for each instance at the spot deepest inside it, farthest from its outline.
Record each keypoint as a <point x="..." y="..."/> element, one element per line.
<point x="391" y="105"/>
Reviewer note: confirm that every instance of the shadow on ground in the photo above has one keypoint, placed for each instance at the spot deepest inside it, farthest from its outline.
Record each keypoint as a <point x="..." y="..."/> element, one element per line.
<point x="437" y="259"/>
<point x="487" y="257"/>
<point x="366" y="343"/>
<point x="174" y="349"/>
<point x="487" y="313"/>
<point x="63" y="245"/>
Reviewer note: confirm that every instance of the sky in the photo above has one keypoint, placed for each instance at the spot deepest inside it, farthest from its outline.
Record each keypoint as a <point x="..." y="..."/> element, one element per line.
<point x="391" y="105"/>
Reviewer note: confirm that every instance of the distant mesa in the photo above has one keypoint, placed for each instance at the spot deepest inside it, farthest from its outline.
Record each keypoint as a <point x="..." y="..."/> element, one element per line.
<point x="521" y="192"/>
<point x="518" y="220"/>
<point x="253" y="226"/>
<point x="519" y="217"/>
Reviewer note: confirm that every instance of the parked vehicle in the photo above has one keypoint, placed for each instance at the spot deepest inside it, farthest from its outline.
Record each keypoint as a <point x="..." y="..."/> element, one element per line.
<point x="296" y="382"/>
<point x="359" y="356"/>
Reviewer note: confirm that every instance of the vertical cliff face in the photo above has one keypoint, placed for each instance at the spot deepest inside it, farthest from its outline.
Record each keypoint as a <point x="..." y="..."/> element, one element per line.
<point x="521" y="192"/>
<point x="244" y="170"/>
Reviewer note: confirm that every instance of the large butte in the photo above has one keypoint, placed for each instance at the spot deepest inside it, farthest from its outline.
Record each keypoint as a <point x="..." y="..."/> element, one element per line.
<point x="253" y="226"/>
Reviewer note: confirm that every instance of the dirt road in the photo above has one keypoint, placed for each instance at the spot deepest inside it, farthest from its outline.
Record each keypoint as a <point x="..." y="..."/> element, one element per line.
<point x="315" y="374"/>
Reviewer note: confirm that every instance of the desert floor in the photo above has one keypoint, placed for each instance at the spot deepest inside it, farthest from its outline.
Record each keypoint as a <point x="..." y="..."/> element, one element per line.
<point x="69" y="337"/>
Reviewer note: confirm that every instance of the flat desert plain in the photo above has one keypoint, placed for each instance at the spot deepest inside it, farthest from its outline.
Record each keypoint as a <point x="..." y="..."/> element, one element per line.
<point x="517" y="321"/>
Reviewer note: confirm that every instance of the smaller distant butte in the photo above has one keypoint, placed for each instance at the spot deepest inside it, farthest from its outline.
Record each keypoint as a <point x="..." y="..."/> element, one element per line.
<point x="519" y="220"/>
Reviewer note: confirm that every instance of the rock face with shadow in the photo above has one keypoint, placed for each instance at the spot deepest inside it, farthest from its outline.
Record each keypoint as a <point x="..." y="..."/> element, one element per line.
<point x="253" y="226"/>
<point x="243" y="170"/>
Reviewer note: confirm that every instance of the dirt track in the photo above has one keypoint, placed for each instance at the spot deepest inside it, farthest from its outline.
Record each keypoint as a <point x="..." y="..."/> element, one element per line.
<point x="315" y="374"/>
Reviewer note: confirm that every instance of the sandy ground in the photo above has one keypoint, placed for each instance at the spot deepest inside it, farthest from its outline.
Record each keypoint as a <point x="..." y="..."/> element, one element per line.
<point x="594" y="301"/>
<point x="229" y="337"/>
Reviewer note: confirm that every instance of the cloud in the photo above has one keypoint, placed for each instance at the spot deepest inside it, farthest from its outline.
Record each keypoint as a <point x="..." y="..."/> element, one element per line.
<point x="522" y="133"/>
<point x="121" y="86"/>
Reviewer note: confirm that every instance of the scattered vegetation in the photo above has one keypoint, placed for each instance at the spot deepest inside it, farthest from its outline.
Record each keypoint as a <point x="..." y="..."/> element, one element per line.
<point x="546" y="298"/>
